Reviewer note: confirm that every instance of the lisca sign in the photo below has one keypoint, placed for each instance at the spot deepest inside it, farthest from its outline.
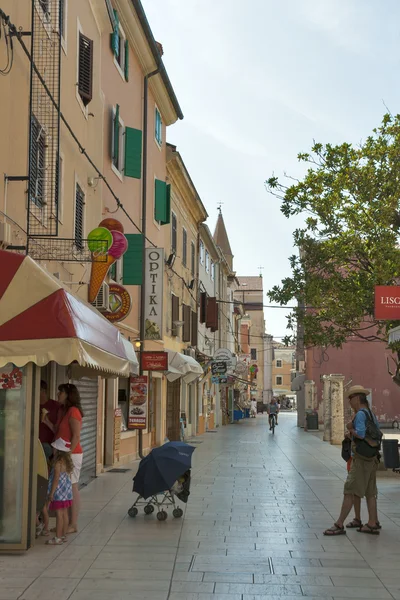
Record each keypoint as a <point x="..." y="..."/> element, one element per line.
<point x="154" y="265"/>
<point x="387" y="302"/>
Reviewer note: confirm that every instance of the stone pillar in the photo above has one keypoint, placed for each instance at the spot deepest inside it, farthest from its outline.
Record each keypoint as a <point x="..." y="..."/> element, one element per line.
<point x="337" y="423"/>
<point x="308" y="394"/>
<point x="326" y="395"/>
<point x="313" y="395"/>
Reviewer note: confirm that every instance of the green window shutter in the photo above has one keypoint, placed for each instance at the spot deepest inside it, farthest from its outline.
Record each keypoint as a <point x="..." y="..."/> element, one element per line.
<point x="133" y="260"/>
<point x="160" y="212"/>
<point x="116" y="134"/>
<point x="115" y="36"/>
<point x="168" y="206"/>
<point x="133" y="153"/>
<point x="126" y="60"/>
<point x="162" y="208"/>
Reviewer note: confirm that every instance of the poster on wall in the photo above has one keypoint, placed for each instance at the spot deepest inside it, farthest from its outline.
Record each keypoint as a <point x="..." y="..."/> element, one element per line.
<point x="153" y="307"/>
<point x="137" y="418"/>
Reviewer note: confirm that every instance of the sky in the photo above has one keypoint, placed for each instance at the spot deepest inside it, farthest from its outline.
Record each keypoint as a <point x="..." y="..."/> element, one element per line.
<point x="258" y="81"/>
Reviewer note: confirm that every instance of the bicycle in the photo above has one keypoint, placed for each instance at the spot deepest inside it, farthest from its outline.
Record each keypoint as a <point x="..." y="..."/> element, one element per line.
<point x="272" y="418"/>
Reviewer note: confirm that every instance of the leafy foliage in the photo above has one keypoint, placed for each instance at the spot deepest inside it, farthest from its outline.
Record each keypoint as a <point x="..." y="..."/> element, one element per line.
<point x="350" y="200"/>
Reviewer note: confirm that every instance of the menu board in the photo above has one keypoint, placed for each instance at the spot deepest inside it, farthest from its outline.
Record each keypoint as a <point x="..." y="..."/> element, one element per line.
<point x="138" y="392"/>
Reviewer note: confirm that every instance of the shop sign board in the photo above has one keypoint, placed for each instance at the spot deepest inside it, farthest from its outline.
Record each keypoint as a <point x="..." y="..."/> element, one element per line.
<point x="138" y="391"/>
<point x="387" y="302"/>
<point x="218" y="379"/>
<point x="223" y="354"/>
<point x="153" y="305"/>
<point x="120" y="303"/>
<point x="219" y="367"/>
<point x="154" y="361"/>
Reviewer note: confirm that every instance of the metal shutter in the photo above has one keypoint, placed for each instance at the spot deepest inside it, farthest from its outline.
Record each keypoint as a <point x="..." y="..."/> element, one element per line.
<point x="88" y="390"/>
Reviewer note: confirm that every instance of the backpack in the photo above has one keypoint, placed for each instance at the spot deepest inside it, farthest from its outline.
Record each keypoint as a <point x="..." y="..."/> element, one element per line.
<point x="369" y="447"/>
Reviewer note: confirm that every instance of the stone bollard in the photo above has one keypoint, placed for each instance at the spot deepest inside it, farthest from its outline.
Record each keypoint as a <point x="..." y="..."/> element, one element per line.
<point x="337" y="423"/>
<point x="326" y="394"/>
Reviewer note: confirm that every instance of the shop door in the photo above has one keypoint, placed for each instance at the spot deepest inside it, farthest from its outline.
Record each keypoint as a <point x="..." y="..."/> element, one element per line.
<point x="173" y="410"/>
<point x="88" y="390"/>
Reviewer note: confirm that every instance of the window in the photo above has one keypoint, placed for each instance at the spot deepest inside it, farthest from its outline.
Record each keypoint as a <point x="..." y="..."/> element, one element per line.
<point x="278" y="380"/>
<point x="187" y="321"/>
<point x="85" y="69"/>
<point x="192" y="258"/>
<point x="201" y="252"/>
<point x="212" y="271"/>
<point x="158" y="127"/>
<point x="37" y="180"/>
<point x="63" y="22"/>
<point x="120" y="48"/>
<point x="117" y="141"/>
<point x="278" y="364"/>
<point x="253" y="353"/>
<point x="79" y="216"/>
<point x="184" y="247"/>
<point x="60" y="187"/>
<point x="207" y="262"/>
<point x="173" y="233"/>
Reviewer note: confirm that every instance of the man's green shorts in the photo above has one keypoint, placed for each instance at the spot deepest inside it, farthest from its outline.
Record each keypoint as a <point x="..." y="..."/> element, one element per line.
<point x="361" y="480"/>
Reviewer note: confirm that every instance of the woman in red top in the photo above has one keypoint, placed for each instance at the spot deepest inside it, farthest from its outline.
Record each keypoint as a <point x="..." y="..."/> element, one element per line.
<point x="69" y="429"/>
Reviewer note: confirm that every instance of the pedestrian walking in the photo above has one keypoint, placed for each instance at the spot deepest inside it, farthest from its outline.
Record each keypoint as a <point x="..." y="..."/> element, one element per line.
<point x="278" y="404"/>
<point x="60" y="489"/>
<point x="253" y="409"/>
<point x="361" y="479"/>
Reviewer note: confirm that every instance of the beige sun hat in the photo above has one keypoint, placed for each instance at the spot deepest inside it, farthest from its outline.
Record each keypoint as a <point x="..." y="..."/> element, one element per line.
<point x="357" y="389"/>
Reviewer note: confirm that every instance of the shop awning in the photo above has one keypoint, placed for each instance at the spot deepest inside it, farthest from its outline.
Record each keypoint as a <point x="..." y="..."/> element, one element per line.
<point x="181" y="365"/>
<point x="41" y="321"/>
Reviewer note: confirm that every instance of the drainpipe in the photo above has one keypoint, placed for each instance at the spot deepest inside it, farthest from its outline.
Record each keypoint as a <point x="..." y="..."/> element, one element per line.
<point x="144" y="217"/>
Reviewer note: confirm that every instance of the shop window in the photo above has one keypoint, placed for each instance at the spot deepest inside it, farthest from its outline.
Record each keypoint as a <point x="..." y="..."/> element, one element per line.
<point x="123" y="401"/>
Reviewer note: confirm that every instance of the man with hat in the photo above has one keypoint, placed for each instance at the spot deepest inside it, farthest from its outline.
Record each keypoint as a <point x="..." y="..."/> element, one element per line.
<point x="361" y="480"/>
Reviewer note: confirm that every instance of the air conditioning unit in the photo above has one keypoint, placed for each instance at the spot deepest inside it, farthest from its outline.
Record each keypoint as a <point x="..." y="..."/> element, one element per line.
<point x="102" y="301"/>
<point x="5" y="235"/>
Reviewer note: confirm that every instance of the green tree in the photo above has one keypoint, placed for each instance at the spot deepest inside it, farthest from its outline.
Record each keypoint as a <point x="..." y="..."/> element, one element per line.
<point x="350" y="200"/>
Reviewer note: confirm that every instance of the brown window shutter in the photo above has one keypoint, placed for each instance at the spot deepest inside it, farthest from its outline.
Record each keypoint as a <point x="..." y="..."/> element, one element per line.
<point x="203" y="307"/>
<point x="85" y="74"/>
<point x="175" y="314"/>
<point x="186" y="323"/>
<point x="194" y="329"/>
<point x="212" y="314"/>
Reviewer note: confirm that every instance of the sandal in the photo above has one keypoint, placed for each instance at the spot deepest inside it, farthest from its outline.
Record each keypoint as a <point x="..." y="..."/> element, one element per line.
<point x="72" y="530"/>
<point x="378" y="525"/>
<point x="335" y="530"/>
<point x="354" y="524"/>
<point x="45" y="533"/>
<point x="369" y="530"/>
<point x="55" y="541"/>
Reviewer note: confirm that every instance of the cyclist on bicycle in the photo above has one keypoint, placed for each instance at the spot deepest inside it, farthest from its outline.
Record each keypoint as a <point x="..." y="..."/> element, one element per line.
<point x="272" y="409"/>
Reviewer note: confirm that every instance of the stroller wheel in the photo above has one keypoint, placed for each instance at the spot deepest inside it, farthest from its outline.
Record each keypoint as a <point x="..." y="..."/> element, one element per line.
<point x="177" y="512"/>
<point x="162" y="515"/>
<point x="148" y="509"/>
<point x="133" y="511"/>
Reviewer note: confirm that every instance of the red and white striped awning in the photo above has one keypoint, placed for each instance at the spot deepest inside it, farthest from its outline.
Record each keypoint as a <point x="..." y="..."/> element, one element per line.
<point x="41" y="321"/>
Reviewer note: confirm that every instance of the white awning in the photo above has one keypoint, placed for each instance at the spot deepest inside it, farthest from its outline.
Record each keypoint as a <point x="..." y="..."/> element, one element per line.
<point x="131" y="354"/>
<point x="180" y="365"/>
<point x="394" y="335"/>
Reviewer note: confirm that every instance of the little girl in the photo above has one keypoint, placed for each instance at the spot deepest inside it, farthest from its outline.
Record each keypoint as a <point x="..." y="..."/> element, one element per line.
<point x="60" y="489"/>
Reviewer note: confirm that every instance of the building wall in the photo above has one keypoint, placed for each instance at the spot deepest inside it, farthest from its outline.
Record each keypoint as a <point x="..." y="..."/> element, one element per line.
<point x="363" y="363"/>
<point x="284" y="357"/>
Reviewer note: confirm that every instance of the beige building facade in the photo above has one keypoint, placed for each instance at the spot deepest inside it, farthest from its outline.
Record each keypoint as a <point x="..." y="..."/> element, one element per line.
<point x="283" y="366"/>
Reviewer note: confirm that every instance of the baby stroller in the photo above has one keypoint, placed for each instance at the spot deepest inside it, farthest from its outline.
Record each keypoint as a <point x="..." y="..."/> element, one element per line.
<point x="163" y="475"/>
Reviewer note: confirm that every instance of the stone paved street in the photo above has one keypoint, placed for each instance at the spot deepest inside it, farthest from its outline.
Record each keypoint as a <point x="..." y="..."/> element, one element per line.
<point x="252" y="530"/>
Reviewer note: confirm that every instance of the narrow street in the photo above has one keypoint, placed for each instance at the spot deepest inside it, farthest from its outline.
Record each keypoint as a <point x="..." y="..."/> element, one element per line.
<point x="252" y="530"/>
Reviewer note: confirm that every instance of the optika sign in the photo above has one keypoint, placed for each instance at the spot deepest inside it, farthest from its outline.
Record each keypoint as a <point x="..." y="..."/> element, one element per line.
<point x="387" y="303"/>
<point x="154" y="258"/>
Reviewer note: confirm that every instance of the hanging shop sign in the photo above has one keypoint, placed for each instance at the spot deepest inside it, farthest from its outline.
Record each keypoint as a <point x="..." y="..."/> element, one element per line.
<point x="223" y="354"/>
<point x="387" y="302"/>
<point x="154" y="361"/>
<point x="219" y="367"/>
<point x="218" y="379"/>
<point x="153" y="305"/>
<point x="120" y="303"/>
<point x="241" y="368"/>
<point x="137" y="418"/>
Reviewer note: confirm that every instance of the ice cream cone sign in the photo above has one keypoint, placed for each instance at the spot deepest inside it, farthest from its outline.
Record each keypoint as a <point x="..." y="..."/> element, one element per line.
<point x="117" y="246"/>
